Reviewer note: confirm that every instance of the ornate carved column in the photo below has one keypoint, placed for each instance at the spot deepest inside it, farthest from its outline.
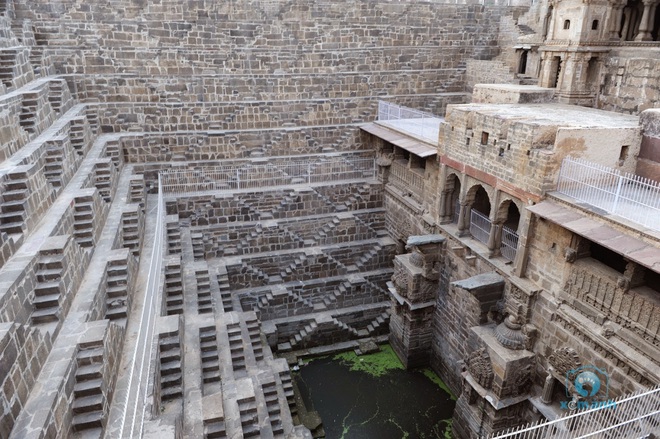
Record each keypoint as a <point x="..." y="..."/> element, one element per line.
<point x="463" y="220"/>
<point x="645" y="23"/>
<point x="548" y="388"/>
<point x="494" y="237"/>
<point x="615" y="19"/>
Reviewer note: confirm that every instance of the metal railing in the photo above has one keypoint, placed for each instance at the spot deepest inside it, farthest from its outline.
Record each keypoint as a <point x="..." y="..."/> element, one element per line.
<point x="509" y="243"/>
<point x="255" y="175"/>
<point x="479" y="226"/>
<point x="632" y="416"/>
<point x="627" y="195"/>
<point x="455" y="215"/>
<point x="132" y="422"/>
<point x="407" y="180"/>
<point x="419" y="123"/>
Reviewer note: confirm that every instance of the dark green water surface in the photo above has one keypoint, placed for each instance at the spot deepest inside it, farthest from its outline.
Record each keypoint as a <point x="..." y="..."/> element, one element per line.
<point x="373" y="397"/>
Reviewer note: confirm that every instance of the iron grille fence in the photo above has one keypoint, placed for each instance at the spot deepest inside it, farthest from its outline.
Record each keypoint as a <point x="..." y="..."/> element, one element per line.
<point x="632" y="416"/>
<point x="456" y="213"/>
<point x="419" y="123"/>
<point x="133" y="416"/>
<point x="509" y="244"/>
<point x="479" y="226"/>
<point x="406" y="180"/>
<point x="627" y="195"/>
<point x="253" y="175"/>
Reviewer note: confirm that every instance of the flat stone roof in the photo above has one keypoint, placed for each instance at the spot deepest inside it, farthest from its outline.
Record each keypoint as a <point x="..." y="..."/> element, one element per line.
<point x="647" y="255"/>
<point x="419" y="148"/>
<point x="553" y="114"/>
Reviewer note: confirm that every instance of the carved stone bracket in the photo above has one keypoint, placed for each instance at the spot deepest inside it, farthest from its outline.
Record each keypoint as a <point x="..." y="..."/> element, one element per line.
<point x="480" y="367"/>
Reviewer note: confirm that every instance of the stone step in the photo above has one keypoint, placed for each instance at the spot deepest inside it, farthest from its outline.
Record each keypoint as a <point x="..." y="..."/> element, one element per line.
<point x="86" y="421"/>
<point x="48" y="275"/>
<point x="169" y="356"/>
<point x="89" y="356"/>
<point x="12" y="217"/>
<point x="47" y="289"/>
<point x="46" y="301"/>
<point x="88" y="372"/>
<point x="172" y="380"/>
<point x="45" y="315"/>
<point x="170" y="393"/>
<point x="87" y="388"/>
<point x="116" y="313"/>
<point x="15" y="194"/>
<point x="87" y="404"/>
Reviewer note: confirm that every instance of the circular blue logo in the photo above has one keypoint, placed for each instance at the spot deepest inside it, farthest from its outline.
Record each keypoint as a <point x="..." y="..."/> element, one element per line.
<point x="587" y="383"/>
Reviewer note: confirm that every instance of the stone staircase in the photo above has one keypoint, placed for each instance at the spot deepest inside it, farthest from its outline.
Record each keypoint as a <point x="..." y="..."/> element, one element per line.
<point x="287" y="386"/>
<point x="56" y="95"/>
<point x="7" y="63"/>
<point x="14" y="199"/>
<point x="54" y="160"/>
<point x="198" y="245"/>
<point x="117" y="297"/>
<point x="137" y="189"/>
<point x="79" y="141"/>
<point x="29" y="110"/>
<point x="247" y="408"/>
<point x="236" y="349"/>
<point x="330" y="300"/>
<point x="173" y="237"/>
<point x="379" y="324"/>
<point x="254" y="332"/>
<point x="47" y="292"/>
<point x="173" y="288"/>
<point x="204" y="299"/>
<point x="269" y="390"/>
<point x="171" y="384"/>
<point x="298" y="340"/>
<point x="132" y="228"/>
<point x="345" y="328"/>
<point x="210" y="361"/>
<point x="289" y="272"/>
<point x="362" y="263"/>
<point x="103" y="179"/>
<point x="83" y="220"/>
<point x="325" y="235"/>
<point x="88" y="398"/>
<point x="225" y="291"/>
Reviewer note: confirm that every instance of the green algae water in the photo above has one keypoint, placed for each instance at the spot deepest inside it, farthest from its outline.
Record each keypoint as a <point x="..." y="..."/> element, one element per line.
<point x="374" y="397"/>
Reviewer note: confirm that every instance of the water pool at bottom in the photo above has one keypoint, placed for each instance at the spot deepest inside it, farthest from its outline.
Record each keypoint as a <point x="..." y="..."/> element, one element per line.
<point x="374" y="397"/>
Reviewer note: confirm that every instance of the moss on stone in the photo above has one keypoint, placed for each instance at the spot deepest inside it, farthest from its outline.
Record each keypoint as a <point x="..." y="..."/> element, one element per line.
<point x="430" y="374"/>
<point x="375" y="365"/>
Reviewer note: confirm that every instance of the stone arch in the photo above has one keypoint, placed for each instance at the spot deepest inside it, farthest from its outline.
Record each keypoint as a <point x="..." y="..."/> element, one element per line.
<point x="508" y="213"/>
<point x="478" y="199"/>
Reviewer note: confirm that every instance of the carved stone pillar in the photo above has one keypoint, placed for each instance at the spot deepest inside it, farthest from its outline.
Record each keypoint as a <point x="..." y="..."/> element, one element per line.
<point x="548" y="388"/>
<point x="615" y="20"/>
<point x="444" y="211"/>
<point x="645" y="24"/>
<point x="463" y="220"/>
<point x="494" y="238"/>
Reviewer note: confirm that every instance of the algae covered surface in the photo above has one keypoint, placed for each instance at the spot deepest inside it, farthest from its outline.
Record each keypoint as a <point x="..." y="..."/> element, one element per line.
<point x="373" y="396"/>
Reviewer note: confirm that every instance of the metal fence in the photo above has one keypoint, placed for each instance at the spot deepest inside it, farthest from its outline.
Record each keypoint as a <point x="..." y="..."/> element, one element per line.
<point x="479" y="226"/>
<point x="509" y="244"/>
<point x="632" y="416"/>
<point x="418" y="123"/>
<point x="627" y="195"/>
<point x="406" y="180"/>
<point x="278" y="172"/>
<point x="137" y="393"/>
